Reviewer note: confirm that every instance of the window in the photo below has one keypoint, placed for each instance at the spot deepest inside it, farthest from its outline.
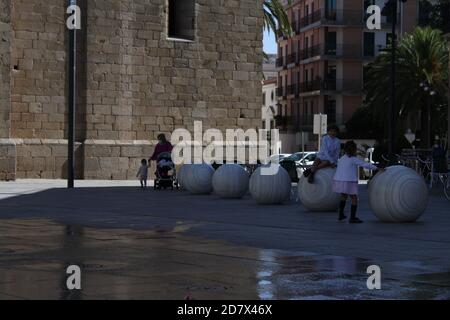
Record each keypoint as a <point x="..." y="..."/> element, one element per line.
<point x="331" y="42"/>
<point x="181" y="19"/>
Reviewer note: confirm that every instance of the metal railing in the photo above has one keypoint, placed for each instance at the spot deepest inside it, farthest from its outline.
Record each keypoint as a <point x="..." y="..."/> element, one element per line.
<point x="292" y="58"/>
<point x="293" y="89"/>
<point x="310" y="52"/>
<point x="281" y="91"/>
<point x="334" y="17"/>
<point x="280" y="62"/>
<point x="330" y="84"/>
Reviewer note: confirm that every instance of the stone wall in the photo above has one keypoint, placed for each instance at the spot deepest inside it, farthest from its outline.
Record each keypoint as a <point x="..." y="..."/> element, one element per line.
<point x="5" y="58"/>
<point x="133" y="82"/>
<point x="7" y="148"/>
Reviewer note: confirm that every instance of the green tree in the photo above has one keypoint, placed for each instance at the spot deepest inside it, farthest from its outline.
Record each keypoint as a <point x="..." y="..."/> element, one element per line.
<point x="422" y="57"/>
<point x="275" y="17"/>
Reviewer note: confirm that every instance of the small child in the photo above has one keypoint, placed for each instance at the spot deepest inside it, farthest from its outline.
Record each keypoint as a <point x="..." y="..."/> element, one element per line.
<point x="346" y="180"/>
<point x="143" y="173"/>
<point x="328" y="155"/>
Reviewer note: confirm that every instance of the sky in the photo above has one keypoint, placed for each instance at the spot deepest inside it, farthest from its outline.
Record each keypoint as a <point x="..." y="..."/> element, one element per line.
<point x="270" y="44"/>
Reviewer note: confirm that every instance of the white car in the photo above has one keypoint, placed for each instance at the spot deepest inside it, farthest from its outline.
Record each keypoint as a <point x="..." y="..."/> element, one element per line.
<point x="366" y="174"/>
<point x="303" y="158"/>
<point x="277" y="157"/>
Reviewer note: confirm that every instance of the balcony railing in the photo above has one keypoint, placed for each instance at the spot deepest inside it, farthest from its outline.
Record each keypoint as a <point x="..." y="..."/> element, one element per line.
<point x="329" y="84"/>
<point x="295" y="26"/>
<point x="305" y="122"/>
<point x="334" y="17"/>
<point x="280" y="62"/>
<point x="280" y="92"/>
<point x="341" y="51"/>
<point x="293" y="89"/>
<point x="310" y="52"/>
<point x="282" y="122"/>
<point x="311" y="18"/>
<point x="310" y="86"/>
<point x="346" y="84"/>
<point x="292" y="58"/>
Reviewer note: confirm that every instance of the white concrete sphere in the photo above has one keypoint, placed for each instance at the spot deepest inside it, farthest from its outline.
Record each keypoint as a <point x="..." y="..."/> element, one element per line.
<point x="270" y="187"/>
<point x="197" y="179"/>
<point x="319" y="196"/>
<point x="230" y="181"/>
<point x="181" y="174"/>
<point x="398" y="195"/>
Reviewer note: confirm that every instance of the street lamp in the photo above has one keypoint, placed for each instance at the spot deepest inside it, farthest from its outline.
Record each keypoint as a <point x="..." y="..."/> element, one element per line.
<point x="428" y="89"/>
<point x="392" y="117"/>
<point x="71" y="103"/>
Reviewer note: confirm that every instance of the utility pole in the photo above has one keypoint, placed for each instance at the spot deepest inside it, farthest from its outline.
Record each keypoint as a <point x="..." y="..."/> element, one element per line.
<point x="392" y="113"/>
<point x="72" y="54"/>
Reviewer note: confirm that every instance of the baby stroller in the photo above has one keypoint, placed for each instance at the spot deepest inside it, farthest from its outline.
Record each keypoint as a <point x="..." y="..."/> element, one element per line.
<point x="166" y="173"/>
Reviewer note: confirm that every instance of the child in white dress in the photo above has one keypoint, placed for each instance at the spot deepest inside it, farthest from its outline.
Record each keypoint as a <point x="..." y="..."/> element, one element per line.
<point x="143" y="173"/>
<point x="346" y="180"/>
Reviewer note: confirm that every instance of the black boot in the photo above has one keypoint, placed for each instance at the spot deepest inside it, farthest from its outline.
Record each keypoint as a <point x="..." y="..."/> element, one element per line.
<point x="353" y="218"/>
<point x="307" y="172"/>
<point x="311" y="177"/>
<point x="342" y="216"/>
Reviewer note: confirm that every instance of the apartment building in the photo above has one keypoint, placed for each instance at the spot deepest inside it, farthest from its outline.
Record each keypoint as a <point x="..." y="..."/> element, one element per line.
<point x="321" y="67"/>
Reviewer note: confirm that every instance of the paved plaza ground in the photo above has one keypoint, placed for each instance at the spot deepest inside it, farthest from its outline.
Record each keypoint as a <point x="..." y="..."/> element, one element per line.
<point x="135" y="244"/>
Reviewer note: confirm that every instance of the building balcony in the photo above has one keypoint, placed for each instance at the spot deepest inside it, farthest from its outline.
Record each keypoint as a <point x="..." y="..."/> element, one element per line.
<point x="282" y="122"/>
<point x="293" y="89"/>
<point x="280" y="62"/>
<point x="339" y="51"/>
<point x="281" y="92"/>
<point x="305" y="122"/>
<point x="310" y="52"/>
<point x="295" y="26"/>
<point x="332" y="85"/>
<point x="292" y="58"/>
<point x="333" y="18"/>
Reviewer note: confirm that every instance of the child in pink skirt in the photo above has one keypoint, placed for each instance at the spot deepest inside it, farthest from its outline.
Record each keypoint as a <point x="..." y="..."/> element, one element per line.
<point x="346" y="180"/>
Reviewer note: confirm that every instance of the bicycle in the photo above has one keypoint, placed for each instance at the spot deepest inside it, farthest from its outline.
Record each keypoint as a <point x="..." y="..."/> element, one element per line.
<point x="427" y="171"/>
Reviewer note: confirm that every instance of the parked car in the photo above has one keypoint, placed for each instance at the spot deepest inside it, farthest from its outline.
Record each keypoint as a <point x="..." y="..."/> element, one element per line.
<point x="277" y="157"/>
<point x="296" y="163"/>
<point x="366" y="173"/>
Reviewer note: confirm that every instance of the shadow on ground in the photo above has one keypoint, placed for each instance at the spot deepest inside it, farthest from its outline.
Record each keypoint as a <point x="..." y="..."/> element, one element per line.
<point x="151" y="244"/>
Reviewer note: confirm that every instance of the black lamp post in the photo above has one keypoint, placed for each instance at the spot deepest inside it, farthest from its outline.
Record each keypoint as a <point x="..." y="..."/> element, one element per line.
<point x="426" y="86"/>
<point x="71" y="103"/>
<point x="392" y="114"/>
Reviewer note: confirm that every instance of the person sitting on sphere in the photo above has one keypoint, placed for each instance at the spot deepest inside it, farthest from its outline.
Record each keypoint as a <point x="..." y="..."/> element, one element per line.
<point x="328" y="155"/>
<point x="346" y="180"/>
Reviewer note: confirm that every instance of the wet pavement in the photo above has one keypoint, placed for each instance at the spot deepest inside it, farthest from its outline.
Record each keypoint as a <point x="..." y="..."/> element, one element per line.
<point x="133" y="244"/>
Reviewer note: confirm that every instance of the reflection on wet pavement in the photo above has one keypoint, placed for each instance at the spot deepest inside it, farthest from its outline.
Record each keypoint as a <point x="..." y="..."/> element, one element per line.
<point x="167" y="264"/>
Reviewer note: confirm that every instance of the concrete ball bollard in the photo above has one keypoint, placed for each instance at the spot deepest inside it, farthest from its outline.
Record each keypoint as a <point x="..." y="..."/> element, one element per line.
<point x="197" y="179"/>
<point x="398" y="195"/>
<point x="319" y="196"/>
<point x="182" y="172"/>
<point x="270" y="184"/>
<point x="230" y="181"/>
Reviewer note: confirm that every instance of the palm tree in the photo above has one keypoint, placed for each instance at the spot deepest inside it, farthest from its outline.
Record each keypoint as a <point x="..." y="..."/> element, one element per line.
<point x="275" y="17"/>
<point x="422" y="58"/>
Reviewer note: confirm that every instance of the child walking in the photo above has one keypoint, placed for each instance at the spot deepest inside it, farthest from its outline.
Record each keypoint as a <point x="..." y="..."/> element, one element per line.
<point x="143" y="173"/>
<point x="328" y="155"/>
<point x="346" y="180"/>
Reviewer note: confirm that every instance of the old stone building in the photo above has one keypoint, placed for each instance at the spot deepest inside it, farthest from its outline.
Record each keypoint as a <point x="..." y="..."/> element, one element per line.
<point x="144" y="67"/>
